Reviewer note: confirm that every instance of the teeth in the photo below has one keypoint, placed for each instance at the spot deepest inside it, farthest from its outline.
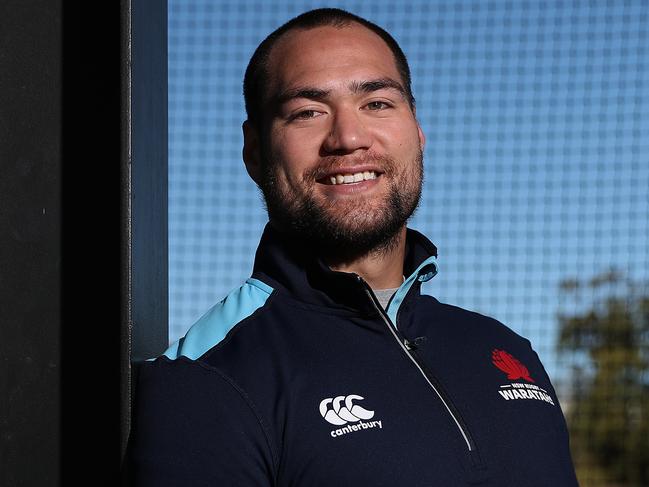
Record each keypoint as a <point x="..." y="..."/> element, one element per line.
<point x="352" y="178"/>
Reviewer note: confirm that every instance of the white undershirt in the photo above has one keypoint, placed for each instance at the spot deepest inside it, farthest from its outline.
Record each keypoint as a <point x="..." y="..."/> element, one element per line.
<point x="384" y="296"/>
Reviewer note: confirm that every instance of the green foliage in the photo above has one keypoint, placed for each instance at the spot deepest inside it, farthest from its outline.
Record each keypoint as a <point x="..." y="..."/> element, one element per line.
<point x="608" y="413"/>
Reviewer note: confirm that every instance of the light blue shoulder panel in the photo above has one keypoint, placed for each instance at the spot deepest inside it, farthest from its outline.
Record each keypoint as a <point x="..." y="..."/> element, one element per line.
<point x="212" y="327"/>
<point x="425" y="272"/>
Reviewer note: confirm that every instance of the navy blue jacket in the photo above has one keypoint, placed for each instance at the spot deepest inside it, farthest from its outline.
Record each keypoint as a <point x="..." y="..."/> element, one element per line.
<point x="300" y="378"/>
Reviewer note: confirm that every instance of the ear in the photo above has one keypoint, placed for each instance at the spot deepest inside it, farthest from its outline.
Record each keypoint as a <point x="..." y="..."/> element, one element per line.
<point x="251" y="151"/>
<point x="422" y="137"/>
<point x="420" y="132"/>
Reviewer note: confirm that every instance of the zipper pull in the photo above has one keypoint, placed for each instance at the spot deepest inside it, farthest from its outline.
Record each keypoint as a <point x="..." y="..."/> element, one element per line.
<point x="409" y="345"/>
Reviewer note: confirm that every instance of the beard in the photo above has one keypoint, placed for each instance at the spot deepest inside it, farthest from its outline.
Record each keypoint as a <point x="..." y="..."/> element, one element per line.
<point x="344" y="229"/>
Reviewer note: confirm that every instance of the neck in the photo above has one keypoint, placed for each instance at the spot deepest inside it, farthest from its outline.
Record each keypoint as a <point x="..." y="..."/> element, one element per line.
<point x="381" y="268"/>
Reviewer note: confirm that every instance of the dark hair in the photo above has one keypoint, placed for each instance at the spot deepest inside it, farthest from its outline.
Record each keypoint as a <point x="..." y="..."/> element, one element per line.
<point x="256" y="77"/>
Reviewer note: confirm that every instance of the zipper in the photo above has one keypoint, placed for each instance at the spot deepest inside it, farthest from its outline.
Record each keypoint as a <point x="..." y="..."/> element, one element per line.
<point x="408" y="347"/>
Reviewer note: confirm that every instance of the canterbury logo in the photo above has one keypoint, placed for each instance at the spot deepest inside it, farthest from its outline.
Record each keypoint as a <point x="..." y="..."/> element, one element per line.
<point x="342" y="410"/>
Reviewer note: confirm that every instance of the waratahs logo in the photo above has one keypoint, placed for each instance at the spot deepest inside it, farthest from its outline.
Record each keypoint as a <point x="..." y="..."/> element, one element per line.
<point x="516" y="370"/>
<point x="510" y="366"/>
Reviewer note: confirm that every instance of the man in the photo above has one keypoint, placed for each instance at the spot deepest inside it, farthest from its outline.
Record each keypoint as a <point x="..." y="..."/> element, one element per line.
<point x="327" y="367"/>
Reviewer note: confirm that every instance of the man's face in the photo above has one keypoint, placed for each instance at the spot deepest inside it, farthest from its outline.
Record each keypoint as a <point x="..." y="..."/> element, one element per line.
<point x="341" y="155"/>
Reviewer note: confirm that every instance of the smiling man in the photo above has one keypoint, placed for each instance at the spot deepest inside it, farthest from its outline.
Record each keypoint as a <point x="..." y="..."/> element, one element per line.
<point x="336" y="149"/>
<point x="327" y="366"/>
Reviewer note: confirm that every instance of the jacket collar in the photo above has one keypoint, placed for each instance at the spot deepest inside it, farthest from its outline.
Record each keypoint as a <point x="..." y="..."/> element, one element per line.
<point x="289" y="265"/>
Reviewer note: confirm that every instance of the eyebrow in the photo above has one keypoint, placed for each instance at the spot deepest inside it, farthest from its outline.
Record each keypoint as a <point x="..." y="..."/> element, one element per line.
<point x="301" y="92"/>
<point x="313" y="93"/>
<point x="376" y="85"/>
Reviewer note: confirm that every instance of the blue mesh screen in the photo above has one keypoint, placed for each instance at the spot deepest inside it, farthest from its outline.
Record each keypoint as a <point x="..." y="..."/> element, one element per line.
<point x="537" y="171"/>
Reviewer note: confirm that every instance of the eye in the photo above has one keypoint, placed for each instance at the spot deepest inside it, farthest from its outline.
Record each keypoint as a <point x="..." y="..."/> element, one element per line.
<point x="305" y="115"/>
<point x="377" y="105"/>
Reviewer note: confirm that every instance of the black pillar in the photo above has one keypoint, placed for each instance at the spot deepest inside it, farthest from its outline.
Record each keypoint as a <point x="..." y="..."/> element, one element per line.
<point x="145" y="176"/>
<point x="94" y="220"/>
<point x="148" y="174"/>
<point x="83" y="220"/>
<point x="30" y="260"/>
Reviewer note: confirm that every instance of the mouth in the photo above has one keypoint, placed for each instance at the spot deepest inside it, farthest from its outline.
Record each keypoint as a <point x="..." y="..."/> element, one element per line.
<point x="343" y="178"/>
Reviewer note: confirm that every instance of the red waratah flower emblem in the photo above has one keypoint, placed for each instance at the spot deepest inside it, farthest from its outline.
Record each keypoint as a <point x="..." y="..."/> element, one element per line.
<point x="511" y="366"/>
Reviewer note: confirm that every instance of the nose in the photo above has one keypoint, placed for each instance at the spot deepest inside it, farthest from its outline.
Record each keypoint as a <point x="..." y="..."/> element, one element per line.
<point x="347" y="133"/>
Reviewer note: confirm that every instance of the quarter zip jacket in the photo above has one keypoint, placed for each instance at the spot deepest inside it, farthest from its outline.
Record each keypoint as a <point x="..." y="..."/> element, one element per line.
<point x="301" y="378"/>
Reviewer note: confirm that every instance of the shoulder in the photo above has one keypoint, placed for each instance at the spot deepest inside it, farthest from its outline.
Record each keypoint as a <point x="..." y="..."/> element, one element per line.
<point x="237" y="307"/>
<point x="189" y="380"/>
<point x="466" y="321"/>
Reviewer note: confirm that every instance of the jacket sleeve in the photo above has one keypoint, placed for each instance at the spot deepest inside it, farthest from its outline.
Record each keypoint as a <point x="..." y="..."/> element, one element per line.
<point x="193" y="426"/>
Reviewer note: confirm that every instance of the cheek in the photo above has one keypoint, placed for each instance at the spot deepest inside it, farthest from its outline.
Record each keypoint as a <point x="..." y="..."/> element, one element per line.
<point x="287" y="176"/>
<point x="399" y="135"/>
<point x="293" y="156"/>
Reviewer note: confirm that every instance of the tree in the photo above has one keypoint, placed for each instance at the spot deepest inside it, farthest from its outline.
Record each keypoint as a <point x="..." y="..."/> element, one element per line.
<point x="608" y="412"/>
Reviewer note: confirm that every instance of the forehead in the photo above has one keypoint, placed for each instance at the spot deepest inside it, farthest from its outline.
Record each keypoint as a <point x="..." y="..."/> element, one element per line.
<point x="327" y="55"/>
